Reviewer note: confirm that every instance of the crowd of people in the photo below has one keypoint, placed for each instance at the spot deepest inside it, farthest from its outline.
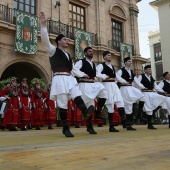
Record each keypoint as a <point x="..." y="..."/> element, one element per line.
<point x="21" y="106"/>
<point x="85" y="83"/>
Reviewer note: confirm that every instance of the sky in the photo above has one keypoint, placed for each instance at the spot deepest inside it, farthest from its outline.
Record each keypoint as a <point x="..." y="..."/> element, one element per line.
<point x="148" y="20"/>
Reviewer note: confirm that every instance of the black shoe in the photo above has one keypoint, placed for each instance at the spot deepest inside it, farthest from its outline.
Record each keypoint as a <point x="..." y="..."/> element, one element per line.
<point x="91" y="130"/>
<point x="100" y="116"/>
<point x="77" y="126"/>
<point x="88" y="112"/>
<point x="38" y="128"/>
<point x="125" y="124"/>
<point x="66" y="131"/>
<point x="130" y="128"/>
<point x="49" y="127"/>
<point x="151" y="127"/>
<point x="112" y="129"/>
<point x="29" y="127"/>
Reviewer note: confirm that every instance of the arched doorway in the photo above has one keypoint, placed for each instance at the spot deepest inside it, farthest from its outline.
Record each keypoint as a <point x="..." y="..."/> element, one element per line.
<point x="23" y="70"/>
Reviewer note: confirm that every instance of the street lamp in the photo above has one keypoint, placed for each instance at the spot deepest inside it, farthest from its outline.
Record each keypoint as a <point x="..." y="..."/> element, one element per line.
<point x="58" y="4"/>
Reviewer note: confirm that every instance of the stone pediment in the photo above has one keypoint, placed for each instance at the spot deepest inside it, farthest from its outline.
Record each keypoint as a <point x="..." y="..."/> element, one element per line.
<point x="118" y="11"/>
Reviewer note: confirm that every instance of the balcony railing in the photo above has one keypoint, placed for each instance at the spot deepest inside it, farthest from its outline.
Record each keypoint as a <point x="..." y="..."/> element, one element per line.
<point x="55" y="27"/>
<point x="114" y="45"/>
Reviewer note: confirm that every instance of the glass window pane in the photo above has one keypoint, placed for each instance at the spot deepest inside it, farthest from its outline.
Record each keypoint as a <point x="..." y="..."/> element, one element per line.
<point x="22" y="1"/>
<point x="82" y="19"/>
<point x="27" y="8"/>
<point x="15" y="4"/>
<point x="27" y="1"/>
<point x="78" y="10"/>
<point x="74" y="8"/>
<point x="32" y="10"/>
<point x="82" y="11"/>
<point x="21" y="7"/>
<point x="74" y="16"/>
<point x="74" y="24"/>
<point x="32" y="2"/>
<point x="78" y="24"/>
<point x="78" y="17"/>
<point x="82" y="26"/>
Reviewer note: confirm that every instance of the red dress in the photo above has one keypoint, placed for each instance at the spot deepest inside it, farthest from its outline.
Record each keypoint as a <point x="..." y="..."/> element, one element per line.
<point x="50" y="114"/>
<point x="37" y="97"/>
<point x="11" y="117"/>
<point x="25" y="113"/>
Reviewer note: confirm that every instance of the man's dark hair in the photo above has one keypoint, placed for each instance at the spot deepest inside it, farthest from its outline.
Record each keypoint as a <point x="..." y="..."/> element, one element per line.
<point x="58" y="38"/>
<point x="86" y="49"/>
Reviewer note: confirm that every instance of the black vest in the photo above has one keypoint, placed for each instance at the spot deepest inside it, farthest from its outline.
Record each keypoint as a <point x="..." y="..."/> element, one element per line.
<point x="166" y="87"/>
<point x="59" y="62"/>
<point x="126" y="76"/>
<point x="108" y="71"/>
<point x="148" y="84"/>
<point x="87" y="68"/>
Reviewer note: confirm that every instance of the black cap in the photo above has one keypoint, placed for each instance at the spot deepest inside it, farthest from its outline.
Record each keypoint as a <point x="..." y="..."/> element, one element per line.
<point x="147" y="66"/>
<point x="126" y="59"/>
<point x="59" y="37"/>
<point x="105" y="53"/>
<point x="165" y="74"/>
<point x="86" y="49"/>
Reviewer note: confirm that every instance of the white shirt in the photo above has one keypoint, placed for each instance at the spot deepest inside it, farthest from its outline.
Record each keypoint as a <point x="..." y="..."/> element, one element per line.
<point x="161" y="84"/>
<point x="99" y="69"/>
<point x="50" y="48"/>
<point x="135" y="81"/>
<point x="78" y="65"/>
<point x="156" y="87"/>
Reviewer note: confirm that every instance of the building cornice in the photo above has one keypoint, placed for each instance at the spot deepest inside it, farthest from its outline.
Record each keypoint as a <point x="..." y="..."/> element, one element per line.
<point x="157" y="3"/>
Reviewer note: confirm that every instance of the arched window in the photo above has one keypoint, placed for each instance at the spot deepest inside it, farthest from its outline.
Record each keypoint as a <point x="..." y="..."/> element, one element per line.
<point x="118" y="17"/>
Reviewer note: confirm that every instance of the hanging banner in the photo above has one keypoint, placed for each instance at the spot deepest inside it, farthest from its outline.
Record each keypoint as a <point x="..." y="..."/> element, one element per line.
<point x="82" y="40"/>
<point x="26" y="33"/>
<point x="125" y="51"/>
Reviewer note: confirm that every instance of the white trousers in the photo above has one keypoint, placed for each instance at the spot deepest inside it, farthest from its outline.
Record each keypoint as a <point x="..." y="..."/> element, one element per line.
<point x="62" y="99"/>
<point x="102" y="94"/>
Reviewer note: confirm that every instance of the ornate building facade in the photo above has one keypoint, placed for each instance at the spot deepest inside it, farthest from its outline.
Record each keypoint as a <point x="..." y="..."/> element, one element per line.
<point x="109" y="22"/>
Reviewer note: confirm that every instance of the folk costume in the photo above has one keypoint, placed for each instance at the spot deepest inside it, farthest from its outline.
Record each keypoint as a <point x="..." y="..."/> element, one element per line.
<point x="165" y="86"/>
<point x="90" y="88"/>
<point x="38" y="97"/>
<point x="64" y="85"/>
<point x="25" y="113"/>
<point x="107" y="74"/>
<point x="150" y="95"/>
<point x="11" y="116"/>
<point x="130" y="93"/>
<point x="50" y="114"/>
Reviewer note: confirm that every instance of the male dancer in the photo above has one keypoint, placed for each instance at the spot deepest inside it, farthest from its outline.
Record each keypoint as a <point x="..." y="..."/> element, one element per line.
<point x="107" y="74"/>
<point x="63" y="83"/>
<point x="152" y="99"/>
<point x="85" y="69"/>
<point x="165" y="86"/>
<point x="129" y="93"/>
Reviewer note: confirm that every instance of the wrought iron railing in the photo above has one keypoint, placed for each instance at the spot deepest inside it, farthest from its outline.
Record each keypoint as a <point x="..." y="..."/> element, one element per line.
<point x="114" y="45"/>
<point x="55" y="27"/>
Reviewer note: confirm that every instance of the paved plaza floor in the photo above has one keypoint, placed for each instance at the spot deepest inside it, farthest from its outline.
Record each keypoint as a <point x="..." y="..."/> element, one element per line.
<point x="50" y="150"/>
